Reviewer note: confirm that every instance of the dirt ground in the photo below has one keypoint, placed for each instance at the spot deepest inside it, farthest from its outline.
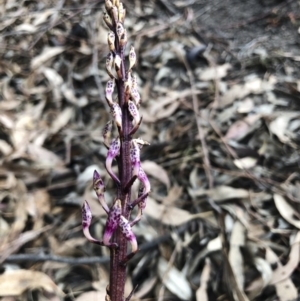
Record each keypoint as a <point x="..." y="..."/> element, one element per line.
<point x="220" y="88"/>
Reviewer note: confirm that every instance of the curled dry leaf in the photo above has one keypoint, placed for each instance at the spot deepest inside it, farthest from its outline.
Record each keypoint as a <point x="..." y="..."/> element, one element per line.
<point x="174" y="280"/>
<point x="16" y="282"/>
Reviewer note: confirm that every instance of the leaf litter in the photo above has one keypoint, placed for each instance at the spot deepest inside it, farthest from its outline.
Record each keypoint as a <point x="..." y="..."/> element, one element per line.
<point x="221" y="112"/>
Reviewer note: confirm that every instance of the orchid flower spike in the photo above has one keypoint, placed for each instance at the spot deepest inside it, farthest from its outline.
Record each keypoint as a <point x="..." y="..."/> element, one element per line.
<point x="99" y="188"/>
<point x="113" y="151"/>
<point x="86" y="222"/>
<point x="112" y="222"/>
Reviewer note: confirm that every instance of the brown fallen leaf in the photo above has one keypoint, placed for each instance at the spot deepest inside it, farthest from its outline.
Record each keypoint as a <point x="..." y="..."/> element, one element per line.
<point x="16" y="282"/>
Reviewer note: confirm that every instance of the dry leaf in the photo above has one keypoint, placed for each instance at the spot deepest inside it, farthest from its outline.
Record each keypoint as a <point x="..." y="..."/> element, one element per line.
<point x="283" y="272"/>
<point x="47" y="54"/>
<point x="222" y="193"/>
<point x="170" y="215"/>
<point x="286" y="210"/>
<point x="235" y="256"/>
<point x="16" y="282"/>
<point x="201" y="293"/>
<point x="212" y="73"/>
<point x="156" y="171"/>
<point x="174" y="280"/>
<point x="92" y="296"/>
<point x="285" y="289"/>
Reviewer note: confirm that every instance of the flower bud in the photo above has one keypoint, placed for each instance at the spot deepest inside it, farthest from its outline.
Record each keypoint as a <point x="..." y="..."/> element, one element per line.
<point x="107" y="20"/>
<point x="86" y="222"/>
<point x="99" y="188"/>
<point x="111" y="41"/>
<point x="106" y="134"/>
<point x="117" y="114"/>
<point x="118" y="62"/>
<point x="135" y="95"/>
<point x="123" y="39"/>
<point x="134" y="82"/>
<point x="110" y="86"/>
<point x="112" y="222"/>
<point x="135" y="157"/>
<point x="113" y="151"/>
<point x="128" y="233"/>
<point x="109" y="64"/>
<point x="122" y="12"/>
<point x="144" y="180"/>
<point x="108" y="5"/>
<point x="132" y="57"/>
<point x="114" y="14"/>
<point x="119" y="29"/>
<point x="134" y="112"/>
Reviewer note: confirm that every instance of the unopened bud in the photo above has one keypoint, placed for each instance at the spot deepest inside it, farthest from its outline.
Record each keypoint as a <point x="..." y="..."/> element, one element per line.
<point x="107" y="20"/>
<point x="124" y="38"/>
<point x="108" y="5"/>
<point x="119" y="30"/>
<point x="117" y="114"/>
<point x="134" y="112"/>
<point x="135" y="157"/>
<point x="122" y="12"/>
<point x="134" y="82"/>
<point x="118" y="62"/>
<point x="106" y="134"/>
<point x="135" y="95"/>
<point x="111" y="41"/>
<point x="114" y="14"/>
<point x="99" y="188"/>
<point x="132" y="57"/>
<point x="110" y="86"/>
<point x="128" y="233"/>
<point x="109" y="64"/>
<point x="144" y="180"/>
<point x="112" y="221"/>
<point x="113" y="151"/>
